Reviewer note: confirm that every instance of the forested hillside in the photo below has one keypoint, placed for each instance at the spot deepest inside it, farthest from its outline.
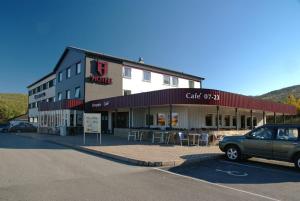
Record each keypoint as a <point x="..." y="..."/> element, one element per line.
<point x="12" y="105"/>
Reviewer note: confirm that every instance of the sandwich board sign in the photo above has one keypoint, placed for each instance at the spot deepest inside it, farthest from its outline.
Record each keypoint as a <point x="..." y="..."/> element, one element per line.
<point x="92" y="124"/>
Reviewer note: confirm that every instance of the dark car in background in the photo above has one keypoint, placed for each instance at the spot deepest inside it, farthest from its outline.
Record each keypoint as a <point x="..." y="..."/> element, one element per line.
<point x="276" y="142"/>
<point x="22" y="127"/>
<point x="4" y="128"/>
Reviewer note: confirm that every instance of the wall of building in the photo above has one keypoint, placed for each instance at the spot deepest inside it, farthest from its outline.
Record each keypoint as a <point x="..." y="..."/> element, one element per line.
<point x="136" y="83"/>
<point x="70" y="60"/>
<point x="96" y="91"/>
<point x="43" y="95"/>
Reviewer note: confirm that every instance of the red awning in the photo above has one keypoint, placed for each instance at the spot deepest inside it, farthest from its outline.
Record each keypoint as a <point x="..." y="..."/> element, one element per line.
<point x="189" y="96"/>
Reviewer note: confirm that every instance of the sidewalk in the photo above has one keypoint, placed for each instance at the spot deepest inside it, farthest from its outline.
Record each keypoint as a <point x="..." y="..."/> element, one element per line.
<point x="134" y="152"/>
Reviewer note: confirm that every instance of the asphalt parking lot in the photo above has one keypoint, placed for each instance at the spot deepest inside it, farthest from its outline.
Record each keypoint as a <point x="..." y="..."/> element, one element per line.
<point x="272" y="180"/>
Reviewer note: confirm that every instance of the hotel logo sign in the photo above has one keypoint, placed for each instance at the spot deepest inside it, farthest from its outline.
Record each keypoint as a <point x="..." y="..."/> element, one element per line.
<point x="100" y="76"/>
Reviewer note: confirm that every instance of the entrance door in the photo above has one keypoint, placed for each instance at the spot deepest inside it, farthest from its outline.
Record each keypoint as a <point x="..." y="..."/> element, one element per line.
<point x="259" y="142"/>
<point x="104" y="122"/>
<point x="243" y="122"/>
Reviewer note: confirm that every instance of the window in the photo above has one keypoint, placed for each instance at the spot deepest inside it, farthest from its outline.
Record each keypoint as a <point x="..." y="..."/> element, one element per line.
<point x="175" y="81"/>
<point x="288" y="134"/>
<point x="45" y="86"/>
<point x="127" y="72"/>
<point x="262" y="133"/>
<point x="146" y="76"/>
<point x="77" y="92"/>
<point x="78" y="68"/>
<point x="59" y="96"/>
<point x="208" y="120"/>
<point x="30" y="92"/>
<point x="68" y="94"/>
<point x="227" y="120"/>
<point x="34" y="91"/>
<point x="68" y="72"/>
<point x="38" y="89"/>
<point x="248" y="122"/>
<point x="60" y="76"/>
<point x="254" y="121"/>
<point x="191" y="84"/>
<point x="51" y="99"/>
<point x="149" y="119"/>
<point x="51" y="83"/>
<point x="234" y="121"/>
<point x="127" y="92"/>
<point x="166" y="79"/>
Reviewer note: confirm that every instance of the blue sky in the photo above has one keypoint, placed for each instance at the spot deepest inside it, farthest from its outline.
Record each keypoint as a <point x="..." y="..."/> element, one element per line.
<point x="242" y="46"/>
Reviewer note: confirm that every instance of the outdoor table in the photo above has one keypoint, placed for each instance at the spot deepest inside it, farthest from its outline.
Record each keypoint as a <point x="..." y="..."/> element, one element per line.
<point x="194" y="138"/>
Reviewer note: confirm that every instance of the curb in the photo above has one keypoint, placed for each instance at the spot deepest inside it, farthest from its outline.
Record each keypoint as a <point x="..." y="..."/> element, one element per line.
<point x="129" y="160"/>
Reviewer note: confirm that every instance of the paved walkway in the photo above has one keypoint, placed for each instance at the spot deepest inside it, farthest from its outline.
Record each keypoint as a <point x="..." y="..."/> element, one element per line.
<point x="139" y="153"/>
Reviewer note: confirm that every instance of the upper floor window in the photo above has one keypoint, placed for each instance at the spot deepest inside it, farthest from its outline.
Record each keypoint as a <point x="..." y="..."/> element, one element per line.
<point x="68" y="94"/>
<point x="127" y="72"/>
<point x="68" y="72"/>
<point x="127" y="92"/>
<point x="30" y="92"/>
<point x="167" y="79"/>
<point x="78" y="68"/>
<point x="59" y="96"/>
<point x="77" y="92"/>
<point x="146" y="76"/>
<point x="191" y="84"/>
<point x="60" y="76"/>
<point x="175" y="81"/>
<point x="51" y="83"/>
<point x="39" y="89"/>
<point x="45" y="86"/>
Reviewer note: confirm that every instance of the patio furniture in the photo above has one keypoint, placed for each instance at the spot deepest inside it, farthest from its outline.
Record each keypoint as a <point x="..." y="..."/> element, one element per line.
<point x="183" y="137"/>
<point x="159" y="135"/>
<point x="134" y="134"/>
<point x="204" y="139"/>
<point x="194" y="135"/>
<point x="171" y="135"/>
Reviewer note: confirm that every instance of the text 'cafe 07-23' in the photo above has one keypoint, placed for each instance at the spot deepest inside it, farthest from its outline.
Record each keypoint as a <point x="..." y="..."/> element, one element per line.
<point x="132" y="94"/>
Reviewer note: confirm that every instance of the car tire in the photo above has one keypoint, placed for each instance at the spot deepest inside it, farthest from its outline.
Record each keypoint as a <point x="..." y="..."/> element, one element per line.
<point x="297" y="161"/>
<point x="233" y="153"/>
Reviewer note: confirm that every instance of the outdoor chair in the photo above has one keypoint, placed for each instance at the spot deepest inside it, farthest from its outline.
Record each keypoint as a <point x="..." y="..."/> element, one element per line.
<point x="204" y="139"/>
<point x="132" y="134"/>
<point x="183" y="137"/>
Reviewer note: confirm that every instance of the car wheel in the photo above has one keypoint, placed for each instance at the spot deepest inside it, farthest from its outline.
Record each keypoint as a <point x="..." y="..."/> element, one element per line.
<point x="297" y="161"/>
<point x="233" y="153"/>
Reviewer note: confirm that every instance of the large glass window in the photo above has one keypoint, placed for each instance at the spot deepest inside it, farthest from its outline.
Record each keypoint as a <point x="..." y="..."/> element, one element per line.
<point x="146" y="76"/>
<point x="166" y="79"/>
<point x="227" y="120"/>
<point x="149" y="119"/>
<point x="77" y="92"/>
<point x="209" y="120"/>
<point x="127" y="72"/>
<point x="175" y="81"/>
<point x="68" y="72"/>
<point x="68" y="94"/>
<point x="220" y="120"/>
<point x="78" y="68"/>
<point x="234" y="121"/>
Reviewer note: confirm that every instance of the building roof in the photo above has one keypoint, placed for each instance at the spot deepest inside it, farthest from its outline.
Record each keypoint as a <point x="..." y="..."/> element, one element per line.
<point x="122" y="60"/>
<point x="189" y="96"/>
<point x="41" y="79"/>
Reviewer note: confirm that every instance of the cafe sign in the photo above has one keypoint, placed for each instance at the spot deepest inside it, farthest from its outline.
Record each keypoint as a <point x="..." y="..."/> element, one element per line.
<point x="202" y="96"/>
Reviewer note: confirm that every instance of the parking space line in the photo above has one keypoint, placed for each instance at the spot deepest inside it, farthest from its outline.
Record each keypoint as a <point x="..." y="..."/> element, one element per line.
<point x="257" y="167"/>
<point x="218" y="185"/>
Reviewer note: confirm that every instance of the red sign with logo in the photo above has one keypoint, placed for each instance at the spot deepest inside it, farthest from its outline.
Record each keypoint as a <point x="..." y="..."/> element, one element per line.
<point x="101" y="70"/>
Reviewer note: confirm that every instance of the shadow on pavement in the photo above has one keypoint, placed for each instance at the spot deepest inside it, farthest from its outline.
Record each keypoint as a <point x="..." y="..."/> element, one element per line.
<point x="251" y="172"/>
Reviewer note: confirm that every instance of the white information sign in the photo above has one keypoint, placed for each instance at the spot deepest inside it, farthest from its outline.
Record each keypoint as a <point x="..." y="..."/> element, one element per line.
<point x="92" y="124"/>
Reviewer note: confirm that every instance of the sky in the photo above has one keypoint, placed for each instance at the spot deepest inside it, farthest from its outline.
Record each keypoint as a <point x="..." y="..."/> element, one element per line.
<point x="244" y="46"/>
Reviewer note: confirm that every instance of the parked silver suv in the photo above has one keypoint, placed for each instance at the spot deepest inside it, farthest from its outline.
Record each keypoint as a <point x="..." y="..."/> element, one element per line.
<point x="279" y="142"/>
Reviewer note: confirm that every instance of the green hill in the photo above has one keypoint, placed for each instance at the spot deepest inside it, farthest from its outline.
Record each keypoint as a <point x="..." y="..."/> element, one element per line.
<point x="12" y="105"/>
<point x="281" y="95"/>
